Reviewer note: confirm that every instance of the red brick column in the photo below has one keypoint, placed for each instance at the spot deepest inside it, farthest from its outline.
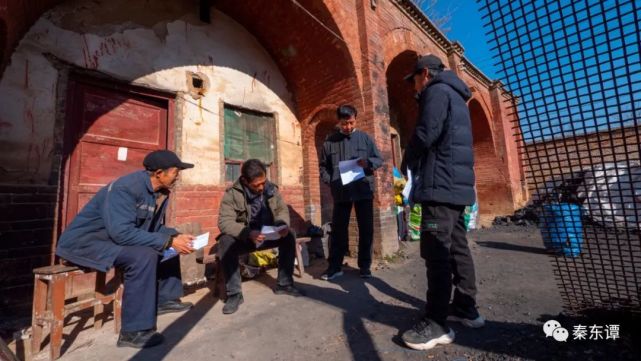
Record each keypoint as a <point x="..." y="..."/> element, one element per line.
<point x="374" y="119"/>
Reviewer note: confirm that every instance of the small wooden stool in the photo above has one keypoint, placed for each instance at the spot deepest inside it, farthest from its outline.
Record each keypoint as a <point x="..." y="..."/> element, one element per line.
<point x="53" y="286"/>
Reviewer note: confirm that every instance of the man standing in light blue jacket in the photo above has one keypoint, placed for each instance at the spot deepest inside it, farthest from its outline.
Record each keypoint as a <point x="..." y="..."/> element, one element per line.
<point x="123" y="226"/>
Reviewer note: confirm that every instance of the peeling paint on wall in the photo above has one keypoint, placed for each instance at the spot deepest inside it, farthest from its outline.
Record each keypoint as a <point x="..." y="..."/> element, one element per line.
<point x="119" y="39"/>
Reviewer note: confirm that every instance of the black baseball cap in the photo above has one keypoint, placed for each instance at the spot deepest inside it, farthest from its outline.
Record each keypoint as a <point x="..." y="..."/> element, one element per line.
<point x="425" y="62"/>
<point x="164" y="159"/>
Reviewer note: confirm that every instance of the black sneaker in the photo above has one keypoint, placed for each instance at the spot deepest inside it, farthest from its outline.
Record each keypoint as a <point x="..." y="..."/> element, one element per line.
<point x="330" y="275"/>
<point x="174" y="306"/>
<point x="426" y="334"/>
<point x="471" y="318"/>
<point x="232" y="303"/>
<point x="140" y="339"/>
<point x="289" y="290"/>
<point x="366" y="273"/>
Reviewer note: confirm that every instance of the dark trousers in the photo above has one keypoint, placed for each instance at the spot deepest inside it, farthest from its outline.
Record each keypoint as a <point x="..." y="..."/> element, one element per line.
<point x="230" y="248"/>
<point x="148" y="282"/>
<point x="340" y="238"/>
<point x="447" y="257"/>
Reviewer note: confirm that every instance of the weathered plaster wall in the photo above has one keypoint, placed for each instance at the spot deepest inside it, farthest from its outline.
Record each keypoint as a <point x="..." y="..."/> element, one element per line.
<point x="153" y="46"/>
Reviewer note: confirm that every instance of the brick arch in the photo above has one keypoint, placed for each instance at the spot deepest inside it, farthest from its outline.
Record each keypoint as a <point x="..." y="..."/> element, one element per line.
<point x="492" y="189"/>
<point x="401" y="49"/>
<point x="318" y="199"/>
<point x="318" y="66"/>
<point x="400" y="40"/>
<point x="400" y="94"/>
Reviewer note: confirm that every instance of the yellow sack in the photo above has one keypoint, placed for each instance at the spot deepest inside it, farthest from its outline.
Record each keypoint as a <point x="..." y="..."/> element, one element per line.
<point x="263" y="258"/>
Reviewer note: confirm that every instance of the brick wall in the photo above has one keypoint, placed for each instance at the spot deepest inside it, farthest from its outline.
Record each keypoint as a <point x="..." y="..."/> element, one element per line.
<point x="197" y="204"/>
<point x="294" y="197"/>
<point x="26" y="227"/>
<point x="554" y="158"/>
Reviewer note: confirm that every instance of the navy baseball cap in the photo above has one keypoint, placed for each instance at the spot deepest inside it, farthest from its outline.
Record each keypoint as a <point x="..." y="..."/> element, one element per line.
<point x="164" y="159"/>
<point x="425" y="62"/>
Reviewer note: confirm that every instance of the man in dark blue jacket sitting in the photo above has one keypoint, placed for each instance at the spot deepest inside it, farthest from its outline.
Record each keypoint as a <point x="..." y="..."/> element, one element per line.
<point x="441" y="159"/>
<point x="123" y="226"/>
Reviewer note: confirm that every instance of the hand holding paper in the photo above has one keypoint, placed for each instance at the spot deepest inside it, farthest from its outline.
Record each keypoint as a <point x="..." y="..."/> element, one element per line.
<point x="193" y="243"/>
<point x="272" y="233"/>
<point x="350" y="171"/>
<point x="182" y="243"/>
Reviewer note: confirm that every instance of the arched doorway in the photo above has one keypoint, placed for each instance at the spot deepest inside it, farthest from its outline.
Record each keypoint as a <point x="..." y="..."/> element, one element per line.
<point x="403" y="109"/>
<point x="492" y="189"/>
<point x="318" y="195"/>
<point x="326" y="199"/>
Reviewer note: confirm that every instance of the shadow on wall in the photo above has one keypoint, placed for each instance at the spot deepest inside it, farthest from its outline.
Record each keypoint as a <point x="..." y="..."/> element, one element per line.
<point x="297" y="222"/>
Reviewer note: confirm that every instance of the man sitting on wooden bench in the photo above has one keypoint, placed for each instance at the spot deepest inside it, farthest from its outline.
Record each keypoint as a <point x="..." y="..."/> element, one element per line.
<point x="123" y="226"/>
<point x="251" y="203"/>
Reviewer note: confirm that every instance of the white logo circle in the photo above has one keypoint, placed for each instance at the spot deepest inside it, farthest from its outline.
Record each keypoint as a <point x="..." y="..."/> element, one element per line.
<point x="550" y="326"/>
<point x="561" y="334"/>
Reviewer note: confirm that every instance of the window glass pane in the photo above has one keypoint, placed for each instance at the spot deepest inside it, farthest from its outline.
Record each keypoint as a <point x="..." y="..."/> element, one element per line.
<point x="232" y="172"/>
<point x="248" y="135"/>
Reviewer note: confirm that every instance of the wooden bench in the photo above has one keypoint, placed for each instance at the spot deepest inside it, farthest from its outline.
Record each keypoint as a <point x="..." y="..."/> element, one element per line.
<point x="54" y="286"/>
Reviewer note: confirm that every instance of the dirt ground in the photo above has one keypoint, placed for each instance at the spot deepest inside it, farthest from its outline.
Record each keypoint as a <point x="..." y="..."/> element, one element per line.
<point x="352" y="319"/>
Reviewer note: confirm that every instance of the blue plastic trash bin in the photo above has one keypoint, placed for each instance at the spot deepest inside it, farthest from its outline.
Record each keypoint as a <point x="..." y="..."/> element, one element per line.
<point x="561" y="228"/>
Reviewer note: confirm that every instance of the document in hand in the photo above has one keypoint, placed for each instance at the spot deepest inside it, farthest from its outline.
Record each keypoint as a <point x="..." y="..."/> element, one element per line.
<point x="408" y="186"/>
<point x="350" y="171"/>
<point x="200" y="241"/>
<point x="271" y="232"/>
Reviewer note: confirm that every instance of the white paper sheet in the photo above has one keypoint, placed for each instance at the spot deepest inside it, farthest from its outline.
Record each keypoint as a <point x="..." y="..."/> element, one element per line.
<point x="350" y="171"/>
<point x="408" y="186"/>
<point x="271" y="232"/>
<point x="200" y="241"/>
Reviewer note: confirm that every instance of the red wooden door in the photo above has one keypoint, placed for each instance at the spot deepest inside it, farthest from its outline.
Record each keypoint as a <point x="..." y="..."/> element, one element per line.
<point x="110" y="132"/>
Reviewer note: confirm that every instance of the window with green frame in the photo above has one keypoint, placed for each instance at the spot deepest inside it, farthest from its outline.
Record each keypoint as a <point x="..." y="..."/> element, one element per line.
<point x="248" y="134"/>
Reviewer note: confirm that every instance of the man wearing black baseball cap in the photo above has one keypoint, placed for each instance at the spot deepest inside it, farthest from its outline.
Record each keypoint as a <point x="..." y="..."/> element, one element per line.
<point x="123" y="226"/>
<point x="423" y="63"/>
<point x="441" y="159"/>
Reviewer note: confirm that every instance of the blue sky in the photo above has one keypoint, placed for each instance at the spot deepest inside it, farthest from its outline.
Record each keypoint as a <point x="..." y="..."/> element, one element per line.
<point x="575" y="65"/>
<point x="467" y="28"/>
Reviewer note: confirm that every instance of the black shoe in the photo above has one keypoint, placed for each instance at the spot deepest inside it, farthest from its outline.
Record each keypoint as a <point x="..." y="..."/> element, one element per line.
<point x="288" y="290"/>
<point x="140" y="339"/>
<point x="174" y="306"/>
<point x="330" y="275"/>
<point x="470" y="318"/>
<point x="366" y="273"/>
<point x="426" y="334"/>
<point x="232" y="303"/>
